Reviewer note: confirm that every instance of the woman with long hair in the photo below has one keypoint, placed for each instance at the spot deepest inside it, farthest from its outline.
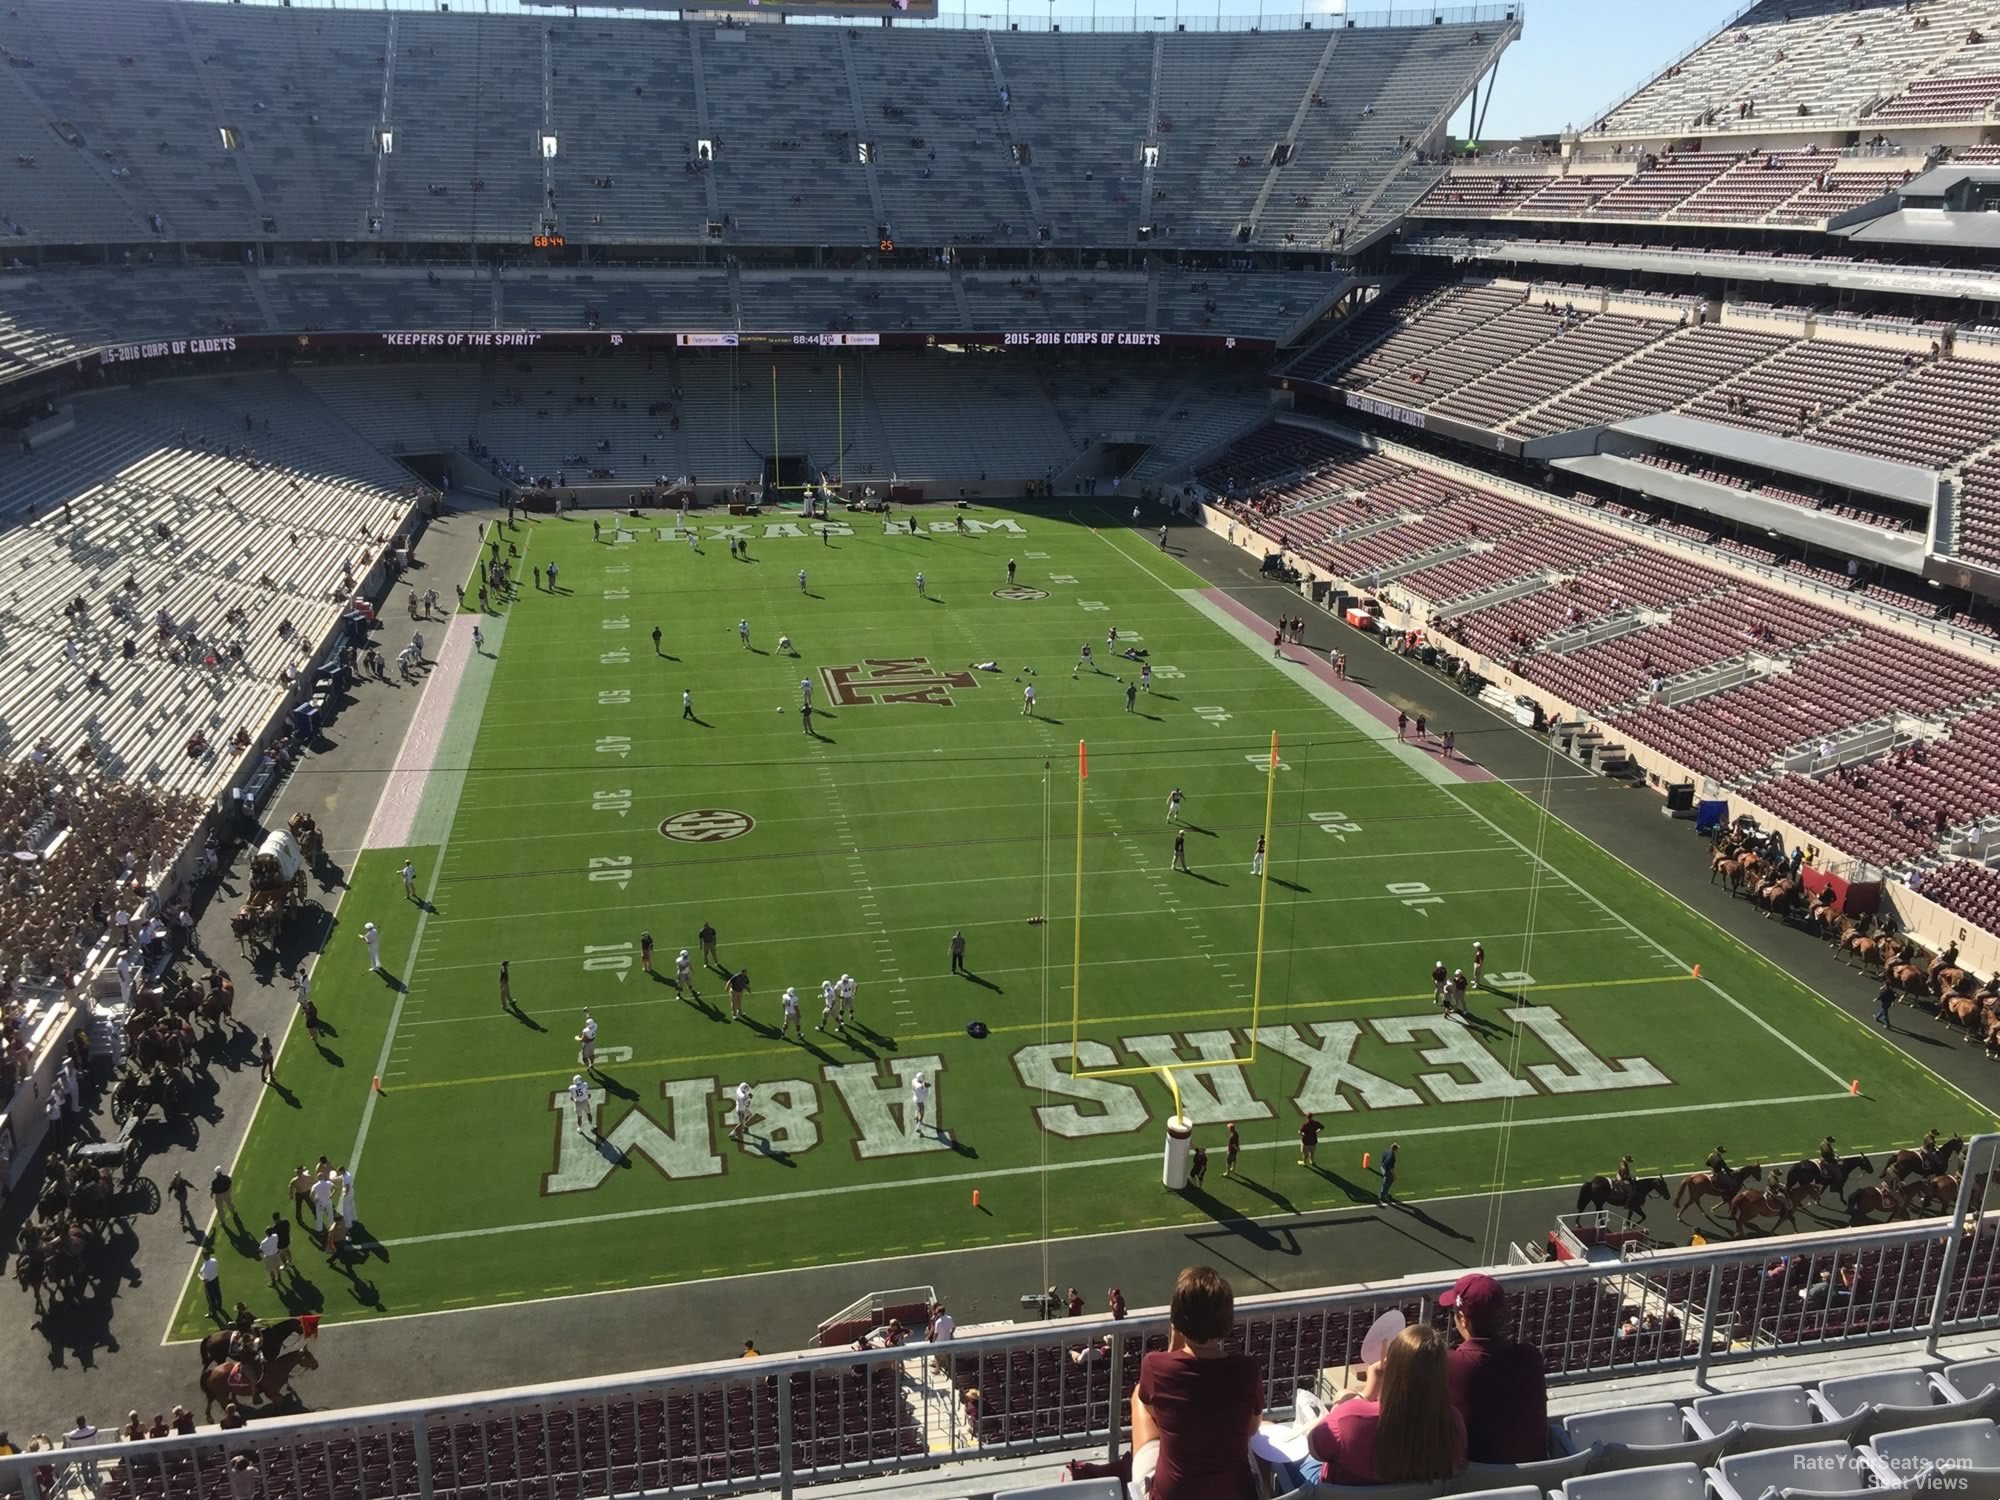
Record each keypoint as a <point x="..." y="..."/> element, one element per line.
<point x="1402" y="1426"/>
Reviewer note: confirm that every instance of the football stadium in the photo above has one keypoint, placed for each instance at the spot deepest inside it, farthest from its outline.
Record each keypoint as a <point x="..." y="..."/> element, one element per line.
<point x="966" y="752"/>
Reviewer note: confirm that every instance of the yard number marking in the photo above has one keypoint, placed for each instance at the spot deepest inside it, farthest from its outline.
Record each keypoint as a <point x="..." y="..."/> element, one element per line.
<point x="609" y="697"/>
<point x="616" y="868"/>
<point x="618" y="800"/>
<point x="615" y="744"/>
<point x="1214" y="713"/>
<point x="618" y="622"/>
<point x="1092" y="604"/>
<point x="1261" y="760"/>
<point x="608" y="958"/>
<point x="1335" y="823"/>
<point x="615" y="659"/>
<point x="1416" y="895"/>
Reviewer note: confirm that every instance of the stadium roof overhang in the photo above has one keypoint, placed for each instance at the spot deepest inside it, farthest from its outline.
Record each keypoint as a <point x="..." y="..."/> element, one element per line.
<point x="1940" y="180"/>
<point x="1920" y="281"/>
<point x="1834" y="533"/>
<point x="1854" y="471"/>
<point x="1930" y="226"/>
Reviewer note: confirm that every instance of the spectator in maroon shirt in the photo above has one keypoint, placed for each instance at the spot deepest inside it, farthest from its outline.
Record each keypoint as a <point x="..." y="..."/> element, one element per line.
<point x="1402" y="1428"/>
<point x="1496" y="1382"/>
<point x="1199" y="1405"/>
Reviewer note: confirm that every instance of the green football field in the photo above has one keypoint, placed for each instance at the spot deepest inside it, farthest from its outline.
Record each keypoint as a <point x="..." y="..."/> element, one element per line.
<point x="585" y="809"/>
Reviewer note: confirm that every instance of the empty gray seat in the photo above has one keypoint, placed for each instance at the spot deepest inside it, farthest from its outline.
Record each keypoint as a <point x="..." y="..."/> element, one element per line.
<point x="1776" y="1416"/>
<point x="1665" y="1482"/>
<point x="1424" y="1491"/>
<point x="1971" y="1377"/>
<point x="1956" y="1448"/>
<point x="1813" y="1468"/>
<point x="1645" y="1436"/>
<point x="1886" y="1400"/>
<point x="1542" y="1475"/>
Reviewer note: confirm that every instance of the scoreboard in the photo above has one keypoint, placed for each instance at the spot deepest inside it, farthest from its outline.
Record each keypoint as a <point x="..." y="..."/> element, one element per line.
<point x="922" y="10"/>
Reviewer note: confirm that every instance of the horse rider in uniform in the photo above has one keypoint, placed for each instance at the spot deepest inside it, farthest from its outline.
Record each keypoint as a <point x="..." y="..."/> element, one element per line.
<point x="1627" y="1189"/>
<point x="1929" y="1152"/>
<point x="1829" y="1164"/>
<point x="1718" y="1165"/>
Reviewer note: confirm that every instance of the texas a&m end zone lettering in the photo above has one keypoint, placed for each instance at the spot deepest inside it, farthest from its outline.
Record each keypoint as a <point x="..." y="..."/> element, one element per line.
<point x="892" y="679"/>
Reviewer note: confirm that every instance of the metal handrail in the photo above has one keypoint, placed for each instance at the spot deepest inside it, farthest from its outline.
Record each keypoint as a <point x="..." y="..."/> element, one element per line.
<point x="1714" y="1304"/>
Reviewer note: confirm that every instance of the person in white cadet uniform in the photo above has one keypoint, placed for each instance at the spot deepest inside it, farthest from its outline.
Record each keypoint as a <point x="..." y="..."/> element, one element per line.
<point x="579" y="1096"/>
<point x="791" y="1019"/>
<point x="829" y="1004"/>
<point x="920" y="1098"/>
<point x="846" y="990"/>
<point x="586" y="1042"/>
<point x="742" y="1122"/>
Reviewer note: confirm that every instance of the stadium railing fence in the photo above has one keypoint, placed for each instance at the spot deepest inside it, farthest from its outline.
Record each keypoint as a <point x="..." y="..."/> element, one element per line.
<point x="776" y="1424"/>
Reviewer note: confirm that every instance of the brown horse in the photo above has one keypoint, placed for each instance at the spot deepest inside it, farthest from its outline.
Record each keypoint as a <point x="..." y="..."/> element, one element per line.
<point x="1755" y="1203"/>
<point x="1883" y="1198"/>
<point x="219" y="1345"/>
<point x="1700" y="1185"/>
<point x="1940" y="1192"/>
<point x="1964" y="1011"/>
<point x="1906" y="1163"/>
<point x="1867" y="950"/>
<point x="233" y="1381"/>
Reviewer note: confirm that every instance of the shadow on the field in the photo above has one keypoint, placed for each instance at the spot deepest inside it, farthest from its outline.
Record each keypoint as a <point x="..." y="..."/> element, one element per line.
<point x="514" y="1010"/>
<point x="1435" y="1225"/>
<point x="1291" y="885"/>
<point x="1205" y="879"/>
<point x="816" y="1050"/>
<point x="984" y="984"/>
<point x="692" y="997"/>
<point x="961" y="1148"/>
<point x="1277" y="1199"/>
<point x="329" y="1054"/>
<point x="1197" y="828"/>
<point x="291" y="1099"/>
<point x="811" y="595"/>
<point x="886" y="1043"/>
<point x="393" y="982"/>
<point x="1144" y="715"/>
<point x="762" y="1028"/>
<point x="1166" y="697"/>
<point x="614" y="1088"/>
<point x="1512" y="997"/>
<point x="1240" y="1225"/>
<point x="1486" y="1028"/>
<point x="763" y="1147"/>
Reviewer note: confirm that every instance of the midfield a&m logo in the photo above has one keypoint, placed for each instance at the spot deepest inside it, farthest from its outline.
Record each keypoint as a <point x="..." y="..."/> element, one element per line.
<point x="892" y="679"/>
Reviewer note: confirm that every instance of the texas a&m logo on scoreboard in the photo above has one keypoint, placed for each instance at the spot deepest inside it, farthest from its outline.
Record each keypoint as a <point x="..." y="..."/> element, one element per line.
<point x="892" y="679"/>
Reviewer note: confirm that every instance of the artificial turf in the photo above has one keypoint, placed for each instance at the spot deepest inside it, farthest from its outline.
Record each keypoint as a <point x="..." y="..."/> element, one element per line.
<point x="909" y="817"/>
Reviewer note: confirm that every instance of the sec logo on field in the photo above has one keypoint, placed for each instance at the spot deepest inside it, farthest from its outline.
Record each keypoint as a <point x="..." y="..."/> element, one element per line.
<point x="1019" y="593"/>
<point x="707" y="825"/>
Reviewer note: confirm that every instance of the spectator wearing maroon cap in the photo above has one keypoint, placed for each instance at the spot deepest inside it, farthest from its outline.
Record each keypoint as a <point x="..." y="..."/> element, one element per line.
<point x="1496" y="1382"/>
<point x="1199" y="1404"/>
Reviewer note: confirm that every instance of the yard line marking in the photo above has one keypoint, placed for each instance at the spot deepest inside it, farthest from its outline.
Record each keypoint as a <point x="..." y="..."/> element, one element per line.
<point x="1148" y="1018"/>
<point x="1420" y="941"/>
<point x="396" y="1010"/>
<point x="793" y="895"/>
<point x="948" y="1179"/>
